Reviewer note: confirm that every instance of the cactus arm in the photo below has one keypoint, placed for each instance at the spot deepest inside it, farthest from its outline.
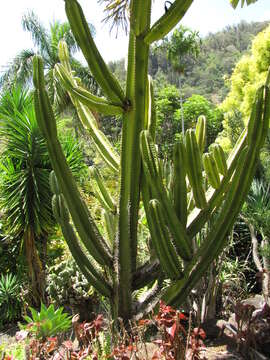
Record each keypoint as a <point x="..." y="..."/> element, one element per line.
<point x="106" y="197"/>
<point x="200" y="132"/>
<point x="82" y="219"/>
<point x="133" y="123"/>
<point x="211" y="170"/>
<point x="168" y="21"/>
<point x="91" y="274"/>
<point x="93" y="102"/>
<point x="199" y="217"/>
<point x="215" y="240"/>
<point x="194" y="169"/>
<point x="152" y="173"/>
<point x="146" y="274"/>
<point x="179" y="186"/>
<point x="90" y="271"/>
<point x="98" y="67"/>
<point x="150" y="118"/>
<point x="161" y="240"/>
<point x="110" y="223"/>
<point x="101" y="142"/>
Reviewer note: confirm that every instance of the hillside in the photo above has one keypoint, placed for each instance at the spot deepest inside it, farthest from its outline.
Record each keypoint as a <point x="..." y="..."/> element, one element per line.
<point x="207" y="74"/>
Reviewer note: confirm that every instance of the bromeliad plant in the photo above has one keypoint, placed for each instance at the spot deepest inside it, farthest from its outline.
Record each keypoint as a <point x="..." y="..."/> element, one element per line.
<point x="201" y="187"/>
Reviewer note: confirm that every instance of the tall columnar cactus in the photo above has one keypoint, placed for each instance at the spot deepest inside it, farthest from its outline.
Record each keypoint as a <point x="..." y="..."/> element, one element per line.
<point x="178" y="203"/>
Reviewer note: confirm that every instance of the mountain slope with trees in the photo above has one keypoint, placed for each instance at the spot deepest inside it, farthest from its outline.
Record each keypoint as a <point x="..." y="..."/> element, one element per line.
<point x="207" y="74"/>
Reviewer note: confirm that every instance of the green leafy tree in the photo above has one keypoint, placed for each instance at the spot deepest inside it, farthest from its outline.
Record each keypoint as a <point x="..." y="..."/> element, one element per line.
<point x="24" y="189"/>
<point x="196" y="106"/>
<point x="177" y="211"/>
<point x="183" y="44"/>
<point x="167" y="103"/>
<point x="249" y="73"/>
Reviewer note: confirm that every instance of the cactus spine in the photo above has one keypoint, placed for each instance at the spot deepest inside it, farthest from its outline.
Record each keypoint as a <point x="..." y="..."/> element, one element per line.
<point x="176" y="210"/>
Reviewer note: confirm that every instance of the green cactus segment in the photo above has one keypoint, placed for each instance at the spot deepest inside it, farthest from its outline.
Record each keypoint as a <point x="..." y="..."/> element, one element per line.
<point x="179" y="186"/>
<point x="110" y="222"/>
<point x="63" y="54"/>
<point x="150" y="117"/>
<point x="82" y="219"/>
<point x="97" y="281"/>
<point x="266" y="111"/>
<point x="211" y="170"/>
<point x="133" y="123"/>
<point x="86" y="117"/>
<point x="194" y="169"/>
<point x="216" y="239"/>
<point x="98" y="67"/>
<point x="107" y="200"/>
<point x="198" y="218"/>
<point x="153" y="175"/>
<point x="139" y="22"/>
<point x="161" y="240"/>
<point x="256" y="113"/>
<point x="93" y="102"/>
<point x="168" y="21"/>
<point x="219" y="157"/>
<point x="200" y="132"/>
<point x="176" y="294"/>
<point x="101" y="142"/>
<point x="90" y="271"/>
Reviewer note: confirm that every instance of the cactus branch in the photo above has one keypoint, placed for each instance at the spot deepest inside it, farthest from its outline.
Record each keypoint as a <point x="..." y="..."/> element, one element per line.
<point x="98" y="67"/>
<point x="168" y="21"/>
<point x="82" y="219"/>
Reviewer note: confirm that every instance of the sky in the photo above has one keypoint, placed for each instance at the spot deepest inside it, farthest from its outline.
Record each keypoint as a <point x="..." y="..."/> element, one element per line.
<point x="204" y="15"/>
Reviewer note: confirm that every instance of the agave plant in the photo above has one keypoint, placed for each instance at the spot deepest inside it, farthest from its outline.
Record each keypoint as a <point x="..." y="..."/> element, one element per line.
<point x="48" y="322"/>
<point x="10" y="303"/>
<point x="202" y="187"/>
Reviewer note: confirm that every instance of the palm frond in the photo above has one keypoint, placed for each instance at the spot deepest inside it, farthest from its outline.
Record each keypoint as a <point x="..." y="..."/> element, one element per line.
<point x="117" y="13"/>
<point x="19" y="70"/>
<point x="14" y="100"/>
<point x="39" y="34"/>
<point x="235" y="3"/>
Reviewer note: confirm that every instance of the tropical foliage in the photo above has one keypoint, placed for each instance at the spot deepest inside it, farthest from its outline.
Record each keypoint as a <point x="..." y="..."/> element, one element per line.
<point x="249" y="73"/>
<point x="24" y="183"/>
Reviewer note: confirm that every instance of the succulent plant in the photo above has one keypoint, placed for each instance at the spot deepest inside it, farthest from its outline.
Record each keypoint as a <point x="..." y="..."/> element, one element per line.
<point x="177" y="210"/>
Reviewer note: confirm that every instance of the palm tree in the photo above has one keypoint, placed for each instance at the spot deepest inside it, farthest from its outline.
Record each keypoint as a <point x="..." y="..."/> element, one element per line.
<point x="45" y="42"/>
<point x="25" y="195"/>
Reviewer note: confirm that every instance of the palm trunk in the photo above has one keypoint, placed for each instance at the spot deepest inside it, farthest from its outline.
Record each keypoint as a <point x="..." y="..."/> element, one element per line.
<point x="35" y="269"/>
